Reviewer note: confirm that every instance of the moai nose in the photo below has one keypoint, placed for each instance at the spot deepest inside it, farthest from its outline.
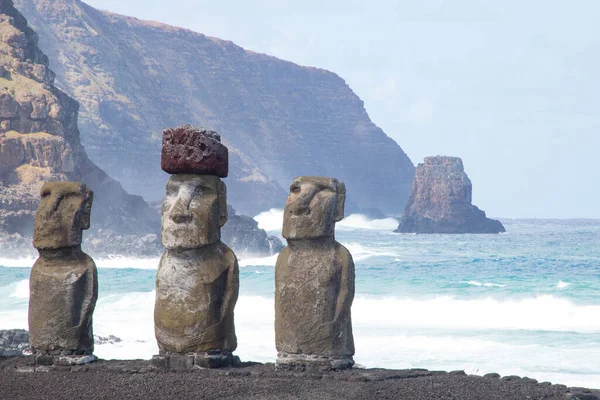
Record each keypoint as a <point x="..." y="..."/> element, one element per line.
<point x="180" y="212"/>
<point x="302" y="204"/>
<point x="56" y="199"/>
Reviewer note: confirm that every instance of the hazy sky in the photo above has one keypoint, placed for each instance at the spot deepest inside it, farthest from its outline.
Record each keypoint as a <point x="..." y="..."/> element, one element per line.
<point x="510" y="86"/>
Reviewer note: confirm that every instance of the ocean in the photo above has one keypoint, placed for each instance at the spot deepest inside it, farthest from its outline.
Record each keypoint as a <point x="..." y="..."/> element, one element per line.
<point x="524" y="303"/>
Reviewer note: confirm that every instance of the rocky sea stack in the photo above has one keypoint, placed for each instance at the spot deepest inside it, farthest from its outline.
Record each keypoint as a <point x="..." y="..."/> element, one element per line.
<point x="440" y="201"/>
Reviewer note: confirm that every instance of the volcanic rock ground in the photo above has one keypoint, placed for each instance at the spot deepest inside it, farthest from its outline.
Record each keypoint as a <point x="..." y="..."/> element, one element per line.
<point x="137" y="379"/>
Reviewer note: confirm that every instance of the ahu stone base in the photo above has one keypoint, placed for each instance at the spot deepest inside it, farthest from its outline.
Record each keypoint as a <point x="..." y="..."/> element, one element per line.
<point x="60" y="359"/>
<point x="311" y="362"/>
<point x="186" y="361"/>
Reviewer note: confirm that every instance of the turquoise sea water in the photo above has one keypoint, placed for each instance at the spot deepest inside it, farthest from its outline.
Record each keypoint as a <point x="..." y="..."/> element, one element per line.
<point x="526" y="302"/>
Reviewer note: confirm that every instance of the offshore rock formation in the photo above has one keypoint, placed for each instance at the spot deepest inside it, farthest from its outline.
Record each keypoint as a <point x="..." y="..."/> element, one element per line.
<point x="39" y="140"/>
<point x="314" y="280"/>
<point x="243" y="235"/>
<point x="133" y="78"/>
<point x="197" y="281"/>
<point x="440" y="201"/>
<point x="64" y="281"/>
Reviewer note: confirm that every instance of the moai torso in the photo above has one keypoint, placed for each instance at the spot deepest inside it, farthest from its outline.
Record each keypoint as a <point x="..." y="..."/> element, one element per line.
<point x="196" y="291"/>
<point x="63" y="282"/>
<point x="314" y="276"/>
<point x="197" y="282"/>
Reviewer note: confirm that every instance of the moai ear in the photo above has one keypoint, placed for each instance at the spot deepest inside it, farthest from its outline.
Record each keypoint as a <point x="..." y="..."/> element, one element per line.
<point x="222" y="203"/>
<point x="340" y="200"/>
<point x="86" y="207"/>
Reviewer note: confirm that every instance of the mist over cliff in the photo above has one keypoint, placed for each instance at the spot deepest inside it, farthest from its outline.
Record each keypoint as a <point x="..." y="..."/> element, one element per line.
<point x="134" y="78"/>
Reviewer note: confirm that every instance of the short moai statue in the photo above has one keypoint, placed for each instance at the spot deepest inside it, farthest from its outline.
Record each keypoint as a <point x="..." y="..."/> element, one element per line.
<point x="197" y="281"/>
<point x="314" y="280"/>
<point x="64" y="280"/>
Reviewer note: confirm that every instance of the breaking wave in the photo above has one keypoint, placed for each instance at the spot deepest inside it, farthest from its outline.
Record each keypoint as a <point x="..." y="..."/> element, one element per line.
<point x="272" y="220"/>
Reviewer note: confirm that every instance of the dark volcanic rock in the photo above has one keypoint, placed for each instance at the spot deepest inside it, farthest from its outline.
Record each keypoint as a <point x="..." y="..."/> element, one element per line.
<point x="440" y="201"/>
<point x="191" y="150"/>
<point x="242" y="234"/>
<point x="280" y="119"/>
<point x="142" y="379"/>
<point x="13" y="342"/>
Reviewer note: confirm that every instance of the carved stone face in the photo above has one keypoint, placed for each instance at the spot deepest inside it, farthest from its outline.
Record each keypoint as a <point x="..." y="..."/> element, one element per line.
<point x="313" y="207"/>
<point x="193" y="211"/>
<point x="63" y="212"/>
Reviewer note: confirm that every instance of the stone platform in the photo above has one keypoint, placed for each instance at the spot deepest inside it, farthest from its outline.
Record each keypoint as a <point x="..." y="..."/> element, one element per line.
<point x="181" y="362"/>
<point x="311" y="362"/>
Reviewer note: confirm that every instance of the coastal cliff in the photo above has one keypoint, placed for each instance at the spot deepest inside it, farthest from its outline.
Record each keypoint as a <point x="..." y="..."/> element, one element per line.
<point x="134" y="78"/>
<point x="441" y="201"/>
<point x="40" y="142"/>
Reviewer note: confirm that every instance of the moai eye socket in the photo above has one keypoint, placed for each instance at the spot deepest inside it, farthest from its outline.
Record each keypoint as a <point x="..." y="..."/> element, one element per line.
<point x="295" y="188"/>
<point x="46" y="193"/>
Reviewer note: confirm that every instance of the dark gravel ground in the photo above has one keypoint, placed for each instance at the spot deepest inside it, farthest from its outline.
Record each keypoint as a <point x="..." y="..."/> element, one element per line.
<point x="138" y="380"/>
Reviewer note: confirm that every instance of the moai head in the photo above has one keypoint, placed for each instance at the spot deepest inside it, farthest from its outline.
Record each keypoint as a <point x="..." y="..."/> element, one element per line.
<point x="313" y="207"/>
<point x="193" y="211"/>
<point x="63" y="212"/>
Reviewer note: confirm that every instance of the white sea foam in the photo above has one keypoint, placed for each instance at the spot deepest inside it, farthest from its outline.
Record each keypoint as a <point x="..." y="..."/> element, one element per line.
<point x="562" y="285"/>
<point x="17" y="262"/>
<point x="359" y="221"/>
<point x="541" y="313"/>
<point x="485" y="284"/>
<point x="127" y="262"/>
<point x="21" y="289"/>
<point x="271" y="220"/>
<point x="259" y="261"/>
<point x="360" y="252"/>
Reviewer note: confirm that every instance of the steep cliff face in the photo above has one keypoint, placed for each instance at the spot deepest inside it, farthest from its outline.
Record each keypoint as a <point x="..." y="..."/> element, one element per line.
<point x="39" y="139"/>
<point x="440" y="201"/>
<point x="134" y="78"/>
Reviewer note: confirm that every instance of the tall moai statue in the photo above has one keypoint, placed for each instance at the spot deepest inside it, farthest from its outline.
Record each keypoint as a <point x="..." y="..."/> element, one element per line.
<point x="314" y="280"/>
<point x="64" y="280"/>
<point x="197" y="282"/>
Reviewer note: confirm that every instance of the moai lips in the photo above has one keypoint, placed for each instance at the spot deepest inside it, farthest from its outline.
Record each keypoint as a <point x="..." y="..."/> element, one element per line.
<point x="191" y="150"/>
<point x="63" y="282"/>
<point x="314" y="280"/>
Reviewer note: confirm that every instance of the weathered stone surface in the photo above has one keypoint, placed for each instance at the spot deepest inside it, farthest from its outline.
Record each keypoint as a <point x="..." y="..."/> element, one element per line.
<point x="196" y="292"/>
<point x="197" y="281"/>
<point x="314" y="279"/>
<point x="440" y="201"/>
<point x="313" y="207"/>
<point x="192" y="150"/>
<point x="63" y="282"/>
<point x="193" y="211"/>
<point x="64" y="211"/>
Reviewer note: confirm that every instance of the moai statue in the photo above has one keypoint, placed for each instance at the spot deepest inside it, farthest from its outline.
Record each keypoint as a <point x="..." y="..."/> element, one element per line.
<point x="197" y="282"/>
<point x="314" y="280"/>
<point x="64" y="280"/>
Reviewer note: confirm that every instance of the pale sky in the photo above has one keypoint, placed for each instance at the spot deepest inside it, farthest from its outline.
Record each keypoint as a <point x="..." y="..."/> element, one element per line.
<point x="510" y="86"/>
